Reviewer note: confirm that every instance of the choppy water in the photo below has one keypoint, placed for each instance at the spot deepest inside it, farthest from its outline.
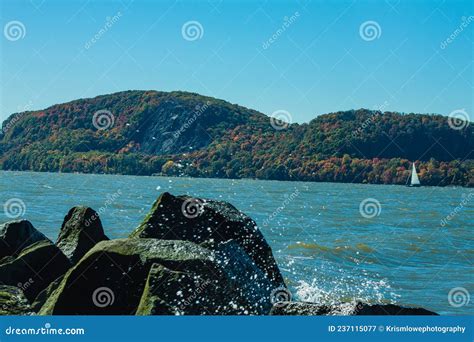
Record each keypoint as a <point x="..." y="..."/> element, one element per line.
<point x="327" y="250"/>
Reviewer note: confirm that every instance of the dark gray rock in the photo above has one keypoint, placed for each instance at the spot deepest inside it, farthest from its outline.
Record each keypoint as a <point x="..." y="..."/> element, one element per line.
<point x="344" y="309"/>
<point x="248" y="279"/>
<point x="111" y="277"/>
<point x="13" y="301"/>
<point x="34" y="268"/>
<point x="81" y="230"/>
<point x="43" y="296"/>
<point x="169" y="292"/>
<point x="238" y="287"/>
<point x="209" y="223"/>
<point x="151" y="276"/>
<point x="17" y="235"/>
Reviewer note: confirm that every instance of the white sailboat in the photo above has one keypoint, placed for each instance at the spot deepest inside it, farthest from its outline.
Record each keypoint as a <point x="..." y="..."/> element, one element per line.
<point x="414" y="180"/>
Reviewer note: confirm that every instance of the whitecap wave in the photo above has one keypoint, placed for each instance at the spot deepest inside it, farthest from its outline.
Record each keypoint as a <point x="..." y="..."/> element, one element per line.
<point x="346" y="290"/>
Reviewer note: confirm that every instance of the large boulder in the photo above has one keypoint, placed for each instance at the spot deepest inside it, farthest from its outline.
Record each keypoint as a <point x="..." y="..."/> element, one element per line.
<point x="81" y="230"/>
<point x="170" y="292"/>
<point x="344" y="309"/>
<point x="34" y="268"/>
<point x="16" y="235"/>
<point x="111" y="277"/>
<point x="209" y="223"/>
<point x="13" y="301"/>
<point x="151" y="276"/>
<point x="244" y="289"/>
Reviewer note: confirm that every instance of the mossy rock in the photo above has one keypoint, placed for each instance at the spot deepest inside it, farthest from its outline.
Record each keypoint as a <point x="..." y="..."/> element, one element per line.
<point x="17" y="235"/>
<point x="34" y="268"/>
<point x="151" y="276"/>
<point x="244" y="290"/>
<point x="111" y="277"/>
<point x="81" y="230"/>
<point x="170" y="292"/>
<point x="13" y="301"/>
<point x="209" y="223"/>
<point x="43" y="296"/>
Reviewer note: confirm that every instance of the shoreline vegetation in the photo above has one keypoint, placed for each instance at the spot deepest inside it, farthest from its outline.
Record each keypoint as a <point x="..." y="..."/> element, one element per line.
<point x="210" y="178"/>
<point x="189" y="256"/>
<point x="186" y="134"/>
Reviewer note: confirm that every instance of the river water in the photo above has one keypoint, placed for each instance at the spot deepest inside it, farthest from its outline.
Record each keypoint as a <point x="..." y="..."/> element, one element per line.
<point x="376" y="243"/>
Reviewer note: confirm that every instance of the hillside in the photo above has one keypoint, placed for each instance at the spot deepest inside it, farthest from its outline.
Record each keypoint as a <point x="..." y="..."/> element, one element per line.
<point x="179" y="133"/>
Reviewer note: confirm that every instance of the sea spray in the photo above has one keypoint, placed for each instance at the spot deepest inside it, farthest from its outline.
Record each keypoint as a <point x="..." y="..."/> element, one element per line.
<point x="346" y="289"/>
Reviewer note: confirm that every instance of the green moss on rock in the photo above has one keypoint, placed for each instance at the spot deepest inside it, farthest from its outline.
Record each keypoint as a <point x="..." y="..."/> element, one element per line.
<point x="208" y="223"/>
<point x="345" y="309"/>
<point x="171" y="292"/>
<point x="34" y="268"/>
<point x="81" y="230"/>
<point x="122" y="266"/>
<point x="13" y="301"/>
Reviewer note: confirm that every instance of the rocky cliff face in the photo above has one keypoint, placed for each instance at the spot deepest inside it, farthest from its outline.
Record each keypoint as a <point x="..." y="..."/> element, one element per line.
<point x="149" y="122"/>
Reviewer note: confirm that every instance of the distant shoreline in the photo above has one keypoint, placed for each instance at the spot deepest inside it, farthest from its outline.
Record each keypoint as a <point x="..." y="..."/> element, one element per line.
<point x="230" y="179"/>
<point x="187" y="134"/>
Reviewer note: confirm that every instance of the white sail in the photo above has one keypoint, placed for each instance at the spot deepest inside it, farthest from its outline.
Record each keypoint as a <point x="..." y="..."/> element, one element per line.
<point x="414" y="176"/>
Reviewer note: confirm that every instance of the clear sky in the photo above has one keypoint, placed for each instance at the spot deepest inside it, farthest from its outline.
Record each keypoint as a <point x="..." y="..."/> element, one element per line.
<point x="321" y="60"/>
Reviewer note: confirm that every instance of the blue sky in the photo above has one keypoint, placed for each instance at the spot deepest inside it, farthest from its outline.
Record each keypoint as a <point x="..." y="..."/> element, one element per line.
<point x="321" y="61"/>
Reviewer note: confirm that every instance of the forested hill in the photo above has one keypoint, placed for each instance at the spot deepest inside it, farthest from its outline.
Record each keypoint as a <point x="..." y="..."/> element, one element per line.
<point x="186" y="134"/>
